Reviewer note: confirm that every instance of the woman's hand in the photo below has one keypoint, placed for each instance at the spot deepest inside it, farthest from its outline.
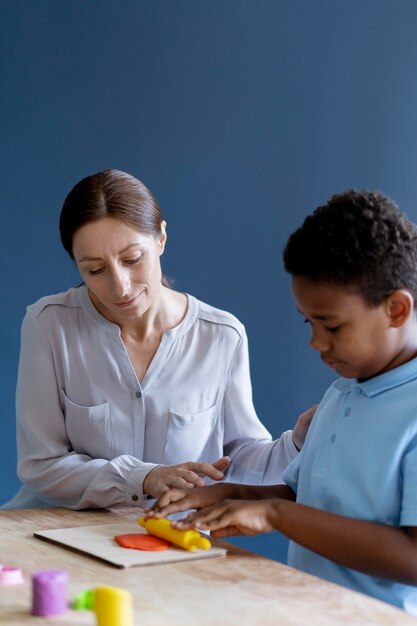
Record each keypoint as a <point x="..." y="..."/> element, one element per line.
<point x="234" y="517"/>
<point x="303" y="424"/>
<point x="176" y="500"/>
<point x="183" y="475"/>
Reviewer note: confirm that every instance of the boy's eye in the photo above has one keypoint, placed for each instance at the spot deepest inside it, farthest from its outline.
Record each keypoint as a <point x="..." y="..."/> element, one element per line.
<point x="330" y="329"/>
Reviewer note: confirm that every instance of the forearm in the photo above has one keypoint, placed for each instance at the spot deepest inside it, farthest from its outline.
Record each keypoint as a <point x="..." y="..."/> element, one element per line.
<point x="261" y="461"/>
<point x="76" y="481"/>
<point x="264" y="492"/>
<point x="374" y="549"/>
<point x="246" y="440"/>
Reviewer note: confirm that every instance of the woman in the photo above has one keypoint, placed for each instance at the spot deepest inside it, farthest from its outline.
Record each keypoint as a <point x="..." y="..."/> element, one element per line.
<point x="127" y="387"/>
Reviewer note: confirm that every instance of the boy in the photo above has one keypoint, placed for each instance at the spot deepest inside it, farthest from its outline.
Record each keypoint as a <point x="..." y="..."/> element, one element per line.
<point x="349" y="505"/>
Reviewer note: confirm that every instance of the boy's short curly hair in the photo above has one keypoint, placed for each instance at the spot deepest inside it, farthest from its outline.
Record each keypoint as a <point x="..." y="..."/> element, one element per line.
<point x="359" y="239"/>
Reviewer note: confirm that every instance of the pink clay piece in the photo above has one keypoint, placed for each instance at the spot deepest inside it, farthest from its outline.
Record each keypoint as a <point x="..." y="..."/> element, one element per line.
<point x="10" y="575"/>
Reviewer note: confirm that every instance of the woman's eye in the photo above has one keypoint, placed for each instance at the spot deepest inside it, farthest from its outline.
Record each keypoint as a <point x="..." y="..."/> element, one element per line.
<point x="133" y="261"/>
<point x="95" y="272"/>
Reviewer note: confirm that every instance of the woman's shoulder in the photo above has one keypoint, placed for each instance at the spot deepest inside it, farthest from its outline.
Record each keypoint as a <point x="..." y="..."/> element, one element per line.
<point x="66" y="299"/>
<point x="214" y="315"/>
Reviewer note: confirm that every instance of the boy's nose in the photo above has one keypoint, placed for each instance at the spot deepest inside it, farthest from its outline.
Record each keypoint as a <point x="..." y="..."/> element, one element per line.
<point x="319" y="341"/>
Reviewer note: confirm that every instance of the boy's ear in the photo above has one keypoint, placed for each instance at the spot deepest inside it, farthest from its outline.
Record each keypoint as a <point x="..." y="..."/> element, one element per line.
<point x="400" y="306"/>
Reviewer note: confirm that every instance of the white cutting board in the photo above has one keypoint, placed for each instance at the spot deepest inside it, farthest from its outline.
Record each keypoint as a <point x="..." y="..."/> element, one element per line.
<point x="98" y="542"/>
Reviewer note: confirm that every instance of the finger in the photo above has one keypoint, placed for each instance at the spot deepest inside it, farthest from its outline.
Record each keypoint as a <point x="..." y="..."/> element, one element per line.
<point x="167" y="496"/>
<point x="184" y="524"/>
<point x="228" y="531"/>
<point x="205" y="469"/>
<point x="211" y="517"/>
<point x="148" y="510"/>
<point x="181" y="479"/>
<point x="190" y="521"/>
<point x="308" y="415"/>
<point x="175" y="507"/>
<point x="222" y="464"/>
<point x="188" y="475"/>
<point x="184" y="482"/>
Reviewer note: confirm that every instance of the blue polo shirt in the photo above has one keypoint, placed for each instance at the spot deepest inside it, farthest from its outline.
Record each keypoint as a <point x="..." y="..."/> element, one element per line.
<point x="360" y="460"/>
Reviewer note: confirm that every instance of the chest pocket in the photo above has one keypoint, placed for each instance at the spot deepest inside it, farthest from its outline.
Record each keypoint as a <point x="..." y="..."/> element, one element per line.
<point x="88" y="428"/>
<point x="188" y="435"/>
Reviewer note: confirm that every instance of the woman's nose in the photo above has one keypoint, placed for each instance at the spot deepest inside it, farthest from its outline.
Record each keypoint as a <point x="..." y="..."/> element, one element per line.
<point x="120" y="283"/>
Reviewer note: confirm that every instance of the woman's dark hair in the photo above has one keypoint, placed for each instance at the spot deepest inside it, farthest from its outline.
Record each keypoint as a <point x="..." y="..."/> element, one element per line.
<point x="111" y="193"/>
<point x="358" y="239"/>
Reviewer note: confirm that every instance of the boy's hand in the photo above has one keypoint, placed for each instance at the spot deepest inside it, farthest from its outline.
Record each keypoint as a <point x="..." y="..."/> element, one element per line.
<point x="233" y="517"/>
<point x="175" y="500"/>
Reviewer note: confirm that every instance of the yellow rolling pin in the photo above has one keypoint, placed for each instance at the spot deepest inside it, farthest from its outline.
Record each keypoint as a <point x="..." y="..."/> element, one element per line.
<point x="186" y="539"/>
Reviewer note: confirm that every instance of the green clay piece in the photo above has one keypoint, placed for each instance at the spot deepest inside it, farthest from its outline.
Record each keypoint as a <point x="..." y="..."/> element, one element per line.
<point x="84" y="600"/>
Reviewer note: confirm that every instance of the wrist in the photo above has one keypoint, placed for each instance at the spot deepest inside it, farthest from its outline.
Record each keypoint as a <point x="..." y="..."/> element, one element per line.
<point x="147" y="483"/>
<point x="244" y="492"/>
<point x="230" y="491"/>
<point x="275" y="512"/>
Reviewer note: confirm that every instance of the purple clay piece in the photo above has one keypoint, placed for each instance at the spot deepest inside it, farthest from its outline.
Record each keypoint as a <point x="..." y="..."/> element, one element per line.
<point x="49" y="592"/>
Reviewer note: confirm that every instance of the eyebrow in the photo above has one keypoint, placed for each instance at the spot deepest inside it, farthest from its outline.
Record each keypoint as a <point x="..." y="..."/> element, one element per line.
<point x="97" y="258"/>
<point x="324" y="318"/>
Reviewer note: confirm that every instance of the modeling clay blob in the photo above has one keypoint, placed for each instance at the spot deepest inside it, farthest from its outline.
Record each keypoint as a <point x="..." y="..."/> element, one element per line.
<point x="187" y="539"/>
<point x="142" y="542"/>
<point x="10" y="575"/>
<point x="113" y="606"/>
<point x="49" y="592"/>
<point x="84" y="600"/>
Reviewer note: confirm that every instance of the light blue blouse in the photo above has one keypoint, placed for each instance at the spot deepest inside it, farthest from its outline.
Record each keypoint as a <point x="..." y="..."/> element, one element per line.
<point x="88" y="431"/>
<point x="360" y="460"/>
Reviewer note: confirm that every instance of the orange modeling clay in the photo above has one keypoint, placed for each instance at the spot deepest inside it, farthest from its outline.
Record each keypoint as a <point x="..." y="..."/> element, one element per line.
<point x="139" y="541"/>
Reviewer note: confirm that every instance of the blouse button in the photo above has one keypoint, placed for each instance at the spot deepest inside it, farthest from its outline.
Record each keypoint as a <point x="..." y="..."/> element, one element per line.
<point x="347" y="411"/>
<point x="135" y="497"/>
<point x="138" y="394"/>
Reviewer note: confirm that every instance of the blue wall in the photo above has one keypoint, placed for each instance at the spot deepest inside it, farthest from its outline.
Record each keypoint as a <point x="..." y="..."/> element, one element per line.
<point x="241" y="117"/>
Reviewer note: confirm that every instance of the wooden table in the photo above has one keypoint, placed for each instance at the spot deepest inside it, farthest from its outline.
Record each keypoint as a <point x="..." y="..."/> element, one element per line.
<point x="237" y="590"/>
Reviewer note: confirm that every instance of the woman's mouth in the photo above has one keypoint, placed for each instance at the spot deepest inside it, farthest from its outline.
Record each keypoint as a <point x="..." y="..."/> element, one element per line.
<point x="127" y="303"/>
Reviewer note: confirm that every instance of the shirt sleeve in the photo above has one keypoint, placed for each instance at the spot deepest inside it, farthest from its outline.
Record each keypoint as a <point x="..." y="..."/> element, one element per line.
<point x="291" y="473"/>
<point x="256" y="459"/>
<point x="56" y="474"/>
<point x="408" y="516"/>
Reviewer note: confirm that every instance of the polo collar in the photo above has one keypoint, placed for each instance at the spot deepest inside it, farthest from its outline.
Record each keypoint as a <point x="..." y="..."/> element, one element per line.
<point x="384" y="382"/>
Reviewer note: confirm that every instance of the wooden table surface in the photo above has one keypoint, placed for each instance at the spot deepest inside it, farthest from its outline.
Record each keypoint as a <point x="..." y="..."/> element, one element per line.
<point x="237" y="590"/>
